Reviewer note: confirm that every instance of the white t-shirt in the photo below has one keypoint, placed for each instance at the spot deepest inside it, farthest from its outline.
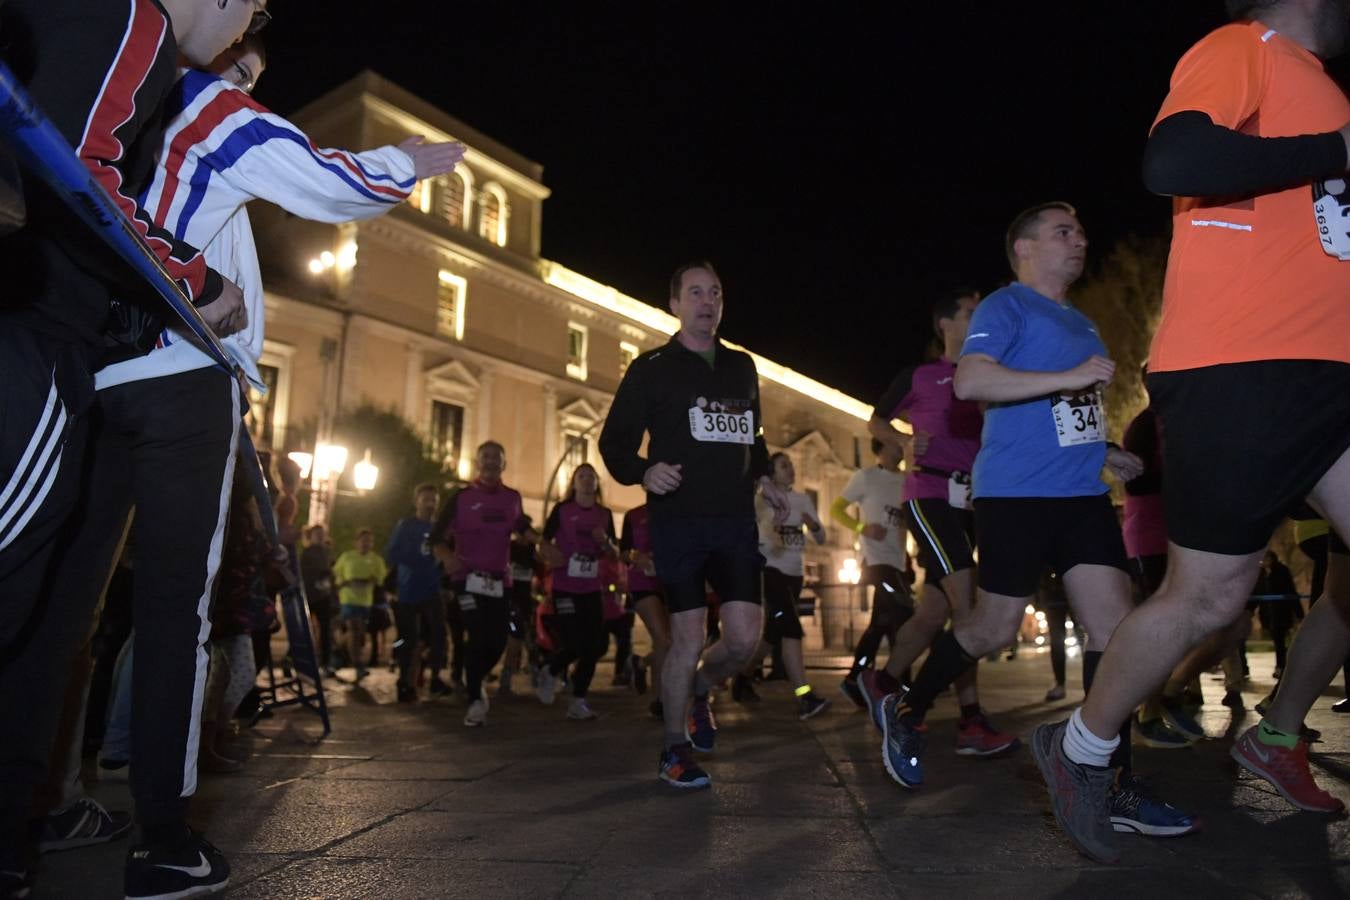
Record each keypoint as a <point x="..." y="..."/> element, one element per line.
<point x="878" y="493"/>
<point x="783" y="545"/>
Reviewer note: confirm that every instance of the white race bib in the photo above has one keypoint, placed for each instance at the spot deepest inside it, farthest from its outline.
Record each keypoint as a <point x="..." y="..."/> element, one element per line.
<point x="1079" y="418"/>
<point x="958" y="491"/>
<point x="579" y="566"/>
<point x="792" y="538"/>
<point x="467" y="603"/>
<point x="521" y="572"/>
<point x="722" y="427"/>
<point x="1331" y="207"/>
<point x="483" y="584"/>
<point x="564" y="606"/>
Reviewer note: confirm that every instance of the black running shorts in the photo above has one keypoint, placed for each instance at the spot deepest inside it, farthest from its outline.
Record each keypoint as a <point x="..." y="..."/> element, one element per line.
<point x="1244" y="444"/>
<point x="945" y="535"/>
<point x="693" y="552"/>
<point x="1020" y="536"/>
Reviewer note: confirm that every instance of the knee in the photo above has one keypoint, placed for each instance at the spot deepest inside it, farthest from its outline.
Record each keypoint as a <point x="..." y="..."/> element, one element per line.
<point x="741" y="647"/>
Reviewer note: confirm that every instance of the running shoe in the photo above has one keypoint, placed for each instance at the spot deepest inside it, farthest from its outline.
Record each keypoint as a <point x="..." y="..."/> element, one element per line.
<point x="873" y="694"/>
<point x="1341" y="706"/>
<point x="849" y="688"/>
<point x="638" y="669"/>
<point x="678" y="768"/>
<point x="548" y="684"/>
<point x="901" y="745"/>
<point x="361" y="672"/>
<point x="476" y="716"/>
<point x="1233" y="700"/>
<point x="192" y="870"/>
<point x="1055" y="694"/>
<point x="1179" y="718"/>
<point x="811" y="706"/>
<point x="1263" y="705"/>
<point x="1287" y="771"/>
<point x="977" y="736"/>
<point x="579" y="710"/>
<point x="1156" y="733"/>
<point x="1080" y="795"/>
<point x="83" y="823"/>
<point x="743" y="691"/>
<point x="437" y="687"/>
<point x="406" y="694"/>
<point x="702" y="729"/>
<point x="1136" y="811"/>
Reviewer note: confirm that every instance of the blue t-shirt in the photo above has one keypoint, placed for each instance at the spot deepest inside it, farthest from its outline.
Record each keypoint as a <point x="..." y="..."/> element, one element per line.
<point x="1020" y="452"/>
<point x="409" y="550"/>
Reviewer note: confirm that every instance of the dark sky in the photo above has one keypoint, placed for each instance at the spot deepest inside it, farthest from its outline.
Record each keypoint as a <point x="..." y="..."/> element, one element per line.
<point x="838" y="163"/>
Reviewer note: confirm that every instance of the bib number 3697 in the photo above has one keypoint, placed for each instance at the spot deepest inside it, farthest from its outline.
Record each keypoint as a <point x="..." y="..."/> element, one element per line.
<point x="722" y="427"/>
<point x="1079" y="419"/>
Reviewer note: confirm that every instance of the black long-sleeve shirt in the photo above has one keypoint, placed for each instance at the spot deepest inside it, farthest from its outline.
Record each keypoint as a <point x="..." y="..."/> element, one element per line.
<point x="672" y="394"/>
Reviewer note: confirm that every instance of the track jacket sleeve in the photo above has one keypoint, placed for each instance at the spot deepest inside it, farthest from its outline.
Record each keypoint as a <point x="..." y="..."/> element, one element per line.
<point x="621" y="437"/>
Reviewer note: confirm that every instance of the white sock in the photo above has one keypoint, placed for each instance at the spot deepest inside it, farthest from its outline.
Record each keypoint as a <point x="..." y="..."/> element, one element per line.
<point x="1084" y="747"/>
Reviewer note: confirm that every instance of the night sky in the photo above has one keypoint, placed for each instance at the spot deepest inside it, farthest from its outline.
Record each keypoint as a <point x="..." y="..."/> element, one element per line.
<point x="840" y="164"/>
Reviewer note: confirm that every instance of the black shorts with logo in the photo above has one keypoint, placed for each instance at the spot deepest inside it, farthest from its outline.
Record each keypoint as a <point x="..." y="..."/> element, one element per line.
<point x="692" y="552"/>
<point x="945" y="535"/>
<point x="1244" y="444"/>
<point x="1020" y="537"/>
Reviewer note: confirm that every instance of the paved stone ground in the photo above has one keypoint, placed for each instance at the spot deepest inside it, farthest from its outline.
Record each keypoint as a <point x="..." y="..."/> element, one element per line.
<point x="405" y="802"/>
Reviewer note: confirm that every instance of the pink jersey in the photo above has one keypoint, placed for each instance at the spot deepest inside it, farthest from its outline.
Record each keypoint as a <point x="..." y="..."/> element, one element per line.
<point x="571" y="527"/>
<point x="636" y="535"/>
<point x="924" y="396"/>
<point x="480" y="520"/>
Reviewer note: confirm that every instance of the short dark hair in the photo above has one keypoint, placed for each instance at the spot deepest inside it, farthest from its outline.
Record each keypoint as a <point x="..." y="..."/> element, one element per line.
<point x="490" y="443"/>
<point x="424" y="487"/>
<point x="362" y="532"/>
<point x="255" y="43"/>
<point x="1024" y="224"/>
<point x="1247" y="9"/>
<point x="945" y="307"/>
<point x="677" y="279"/>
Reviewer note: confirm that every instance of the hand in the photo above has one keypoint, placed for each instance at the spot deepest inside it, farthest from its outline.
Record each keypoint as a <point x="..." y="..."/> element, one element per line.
<point x="776" y="497"/>
<point x="919" y="444"/>
<point x="812" y="523"/>
<point x="1123" y="464"/>
<point x="551" y="555"/>
<point x="430" y="160"/>
<point x="643" y="561"/>
<point x="600" y="535"/>
<point x="661" y="478"/>
<point x="1090" y="372"/>
<point x="875" y="531"/>
<point x="226" y="314"/>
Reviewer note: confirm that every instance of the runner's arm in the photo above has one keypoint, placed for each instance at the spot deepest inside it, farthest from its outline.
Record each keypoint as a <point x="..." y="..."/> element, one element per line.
<point x="892" y="404"/>
<point x="981" y="377"/>
<point x="839" y="512"/>
<point x="621" y="436"/>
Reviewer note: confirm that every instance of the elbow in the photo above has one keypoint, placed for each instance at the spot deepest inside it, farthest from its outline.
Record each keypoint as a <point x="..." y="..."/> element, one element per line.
<point x="962" y="385"/>
<point x="1159" y="170"/>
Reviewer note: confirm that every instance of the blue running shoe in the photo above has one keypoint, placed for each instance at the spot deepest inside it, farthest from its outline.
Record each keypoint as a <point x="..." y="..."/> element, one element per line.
<point x="1180" y="719"/>
<point x="678" y="768"/>
<point x="901" y="745"/>
<point x="1135" y="811"/>
<point x="702" y="726"/>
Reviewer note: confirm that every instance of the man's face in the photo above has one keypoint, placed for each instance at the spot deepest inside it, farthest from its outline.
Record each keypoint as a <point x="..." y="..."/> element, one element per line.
<point x="426" y="504"/>
<point x="491" y="463"/>
<point x="957" y="326"/>
<point x="699" y="305"/>
<point x="1058" y="247"/>
<point x="216" y="28"/>
<point x="365" y="543"/>
<point x="890" y="456"/>
<point x="317" y="536"/>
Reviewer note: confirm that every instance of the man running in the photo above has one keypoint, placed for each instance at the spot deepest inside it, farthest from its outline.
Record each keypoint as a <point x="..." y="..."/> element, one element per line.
<point x="698" y="400"/>
<point x="938" y="514"/>
<point x="1038" y="493"/>
<point x="1252" y="341"/>
<point x="420" y="614"/>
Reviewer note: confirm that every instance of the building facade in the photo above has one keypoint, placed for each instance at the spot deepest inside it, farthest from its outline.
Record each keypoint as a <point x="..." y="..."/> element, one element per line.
<point x="444" y="311"/>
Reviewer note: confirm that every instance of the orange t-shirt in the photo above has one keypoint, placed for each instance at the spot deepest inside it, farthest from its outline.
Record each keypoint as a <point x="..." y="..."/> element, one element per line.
<point x="1247" y="278"/>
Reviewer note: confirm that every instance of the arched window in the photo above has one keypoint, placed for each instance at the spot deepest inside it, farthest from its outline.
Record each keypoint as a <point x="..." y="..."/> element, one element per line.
<point x="452" y="193"/>
<point x="492" y="215"/>
<point x="420" y="198"/>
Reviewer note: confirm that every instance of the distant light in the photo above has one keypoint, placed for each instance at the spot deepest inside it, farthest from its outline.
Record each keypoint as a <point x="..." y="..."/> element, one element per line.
<point x="463" y="470"/>
<point x="365" y="473"/>
<point x="302" y="459"/>
<point x="1030" y="609"/>
<point x="329" y="461"/>
<point x="316" y="267"/>
<point x="327" y="258"/>
<point x="346" y="256"/>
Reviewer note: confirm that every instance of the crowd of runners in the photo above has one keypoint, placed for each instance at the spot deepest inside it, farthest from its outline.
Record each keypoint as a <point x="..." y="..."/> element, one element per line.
<point x="1000" y="477"/>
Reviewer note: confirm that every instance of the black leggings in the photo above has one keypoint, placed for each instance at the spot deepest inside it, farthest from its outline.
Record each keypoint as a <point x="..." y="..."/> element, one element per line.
<point x="580" y="623"/>
<point x="454" y="621"/>
<point x="892" y="606"/>
<point x="622" y="629"/>
<point x="485" y="621"/>
<point x="781" y="617"/>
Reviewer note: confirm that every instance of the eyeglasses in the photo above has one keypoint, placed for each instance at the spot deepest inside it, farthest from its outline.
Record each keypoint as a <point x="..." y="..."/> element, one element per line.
<point x="260" y="19"/>
<point x="244" y="79"/>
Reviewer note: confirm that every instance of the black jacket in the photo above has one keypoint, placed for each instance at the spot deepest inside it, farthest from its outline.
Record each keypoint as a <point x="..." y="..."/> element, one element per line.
<point x="100" y="72"/>
<point x="667" y="393"/>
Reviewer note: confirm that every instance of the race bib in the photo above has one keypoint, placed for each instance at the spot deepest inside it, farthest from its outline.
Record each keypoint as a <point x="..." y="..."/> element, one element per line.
<point x="792" y="538"/>
<point x="579" y="566"/>
<point x="958" y="491"/>
<point x="521" y="572"/>
<point x="1331" y="208"/>
<point x="483" y="584"/>
<point x="1079" y="418"/>
<point x="564" y="606"/>
<point x="721" y="427"/>
<point x="467" y="603"/>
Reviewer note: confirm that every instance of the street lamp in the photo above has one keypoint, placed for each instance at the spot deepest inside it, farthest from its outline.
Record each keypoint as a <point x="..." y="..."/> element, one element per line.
<point x="365" y="473"/>
<point x="302" y="459"/>
<point x="328" y="463"/>
<point x="850" y="574"/>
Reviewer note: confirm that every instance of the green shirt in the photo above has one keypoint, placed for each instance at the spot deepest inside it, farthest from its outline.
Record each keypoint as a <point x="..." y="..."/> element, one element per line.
<point x="365" y="569"/>
<point x="708" y="355"/>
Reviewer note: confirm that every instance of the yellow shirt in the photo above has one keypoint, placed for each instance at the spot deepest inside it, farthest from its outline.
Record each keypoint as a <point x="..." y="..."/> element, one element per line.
<point x="365" y="568"/>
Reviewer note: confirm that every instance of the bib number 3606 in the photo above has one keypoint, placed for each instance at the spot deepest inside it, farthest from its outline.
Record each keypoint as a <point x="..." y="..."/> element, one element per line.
<point x="722" y="427"/>
<point x="1079" y="419"/>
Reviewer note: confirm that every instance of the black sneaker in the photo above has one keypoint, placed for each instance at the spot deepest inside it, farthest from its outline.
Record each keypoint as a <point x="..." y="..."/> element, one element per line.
<point x="406" y="694"/>
<point x="84" y="823"/>
<point x="811" y="705"/>
<point x="438" y="688"/>
<point x="849" y="688"/>
<point x="193" y="870"/>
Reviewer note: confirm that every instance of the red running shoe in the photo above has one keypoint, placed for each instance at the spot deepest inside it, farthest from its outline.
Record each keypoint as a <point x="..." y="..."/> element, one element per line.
<point x="702" y="729"/>
<point x="1287" y="771"/>
<point x="976" y="736"/>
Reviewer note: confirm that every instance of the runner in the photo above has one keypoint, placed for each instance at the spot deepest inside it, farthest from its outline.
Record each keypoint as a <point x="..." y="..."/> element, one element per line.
<point x="520" y="639"/>
<point x="578" y="534"/>
<point x="698" y="401"/>
<point x="1251" y="115"/>
<point x="1038" y="493"/>
<point x="644" y="592"/>
<point x="357" y="573"/>
<point x="472" y="540"/>
<point x="878" y="492"/>
<point x="420" y="614"/>
<point x="937" y="512"/>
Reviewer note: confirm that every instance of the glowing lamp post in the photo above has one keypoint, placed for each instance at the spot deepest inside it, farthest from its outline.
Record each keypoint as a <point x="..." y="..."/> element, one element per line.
<point x="365" y="473"/>
<point x="329" y="462"/>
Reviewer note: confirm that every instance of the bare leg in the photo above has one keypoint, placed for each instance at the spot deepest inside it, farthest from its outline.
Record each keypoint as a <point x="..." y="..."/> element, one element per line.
<point x="954" y="597"/>
<point x="653" y="614"/>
